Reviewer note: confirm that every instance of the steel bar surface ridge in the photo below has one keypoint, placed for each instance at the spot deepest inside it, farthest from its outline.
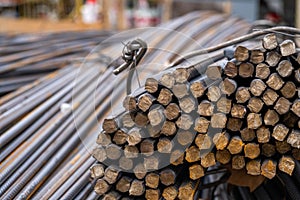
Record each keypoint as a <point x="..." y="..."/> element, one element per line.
<point x="53" y="98"/>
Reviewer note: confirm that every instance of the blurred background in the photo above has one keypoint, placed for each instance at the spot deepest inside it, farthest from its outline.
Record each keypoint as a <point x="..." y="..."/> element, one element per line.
<point x="60" y="15"/>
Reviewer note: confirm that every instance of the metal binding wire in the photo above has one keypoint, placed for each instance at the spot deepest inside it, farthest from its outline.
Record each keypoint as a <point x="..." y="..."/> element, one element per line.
<point x="132" y="54"/>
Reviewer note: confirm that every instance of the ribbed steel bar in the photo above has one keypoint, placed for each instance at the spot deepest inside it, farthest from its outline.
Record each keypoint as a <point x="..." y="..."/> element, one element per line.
<point x="240" y="39"/>
<point x="77" y="187"/>
<point x="63" y="136"/>
<point x="85" y="192"/>
<point x="33" y="115"/>
<point x="34" y="100"/>
<point x="78" y="179"/>
<point x="24" y="152"/>
<point x="58" y="157"/>
<point x="63" y="175"/>
<point x="13" y="145"/>
<point x="24" y="92"/>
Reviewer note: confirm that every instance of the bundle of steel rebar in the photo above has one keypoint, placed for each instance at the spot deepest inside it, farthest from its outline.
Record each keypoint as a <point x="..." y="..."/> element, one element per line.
<point x="49" y="126"/>
<point x="236" y="109"/>
<point x="25" y="58"/>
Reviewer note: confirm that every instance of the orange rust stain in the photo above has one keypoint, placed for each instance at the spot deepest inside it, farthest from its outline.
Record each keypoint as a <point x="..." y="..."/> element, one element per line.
<point x="75" y="159"/>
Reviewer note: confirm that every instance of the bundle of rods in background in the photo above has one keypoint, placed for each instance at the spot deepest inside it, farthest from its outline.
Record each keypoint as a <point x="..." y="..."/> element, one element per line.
<point x="25" y="58"/>
<point x="236" y="110"/>
<point x="49" y="126"/>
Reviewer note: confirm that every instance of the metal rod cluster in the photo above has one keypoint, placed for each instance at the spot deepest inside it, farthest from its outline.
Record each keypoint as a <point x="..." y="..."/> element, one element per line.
<point x="29" y="57"/>
<point x="237" y="110"/>
<point x="49" y="122"/>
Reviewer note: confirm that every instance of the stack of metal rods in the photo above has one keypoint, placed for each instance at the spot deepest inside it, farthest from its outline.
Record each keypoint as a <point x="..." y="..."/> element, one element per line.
<point x="29" y="57"/>
<point x="49" y="126"/>
<point x="238" y="109"/>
